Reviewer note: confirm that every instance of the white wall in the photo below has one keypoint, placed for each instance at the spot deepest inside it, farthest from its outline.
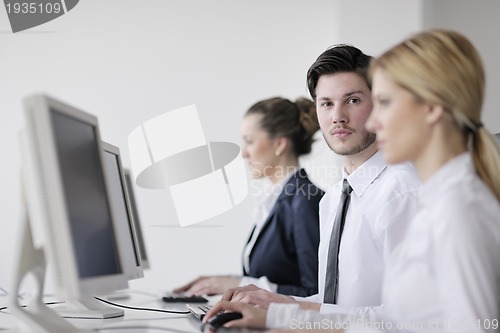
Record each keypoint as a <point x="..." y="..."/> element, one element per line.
<point x="478" y="20"/>
<point x="374" y="26"/>
<point x="126" y="61"/>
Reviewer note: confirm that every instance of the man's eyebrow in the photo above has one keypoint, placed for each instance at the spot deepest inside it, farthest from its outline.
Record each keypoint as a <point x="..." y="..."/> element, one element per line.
<point x="347" y="94"/>
<point x="354" y="92"/>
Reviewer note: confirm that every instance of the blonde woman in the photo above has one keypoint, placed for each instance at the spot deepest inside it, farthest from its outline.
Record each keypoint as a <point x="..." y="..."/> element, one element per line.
<point x="445" y="277"/>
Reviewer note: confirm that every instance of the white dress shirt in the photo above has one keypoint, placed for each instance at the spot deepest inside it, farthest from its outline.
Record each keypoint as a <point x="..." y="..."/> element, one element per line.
<point x="445" y="276"/>
<point x="383" y="201"/>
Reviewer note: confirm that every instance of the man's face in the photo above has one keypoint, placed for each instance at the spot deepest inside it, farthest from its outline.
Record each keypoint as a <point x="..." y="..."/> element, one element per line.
<point x="343" y="104"/>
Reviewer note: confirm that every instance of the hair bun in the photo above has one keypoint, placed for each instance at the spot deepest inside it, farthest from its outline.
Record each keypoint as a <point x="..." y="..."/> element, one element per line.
<point x="308" y="122"/>
<point x="294" y="120"/>
<point x="307" y="115"/>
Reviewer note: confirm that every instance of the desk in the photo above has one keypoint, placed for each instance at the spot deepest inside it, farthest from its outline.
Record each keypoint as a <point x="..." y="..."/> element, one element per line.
<point x="133" y="320"/>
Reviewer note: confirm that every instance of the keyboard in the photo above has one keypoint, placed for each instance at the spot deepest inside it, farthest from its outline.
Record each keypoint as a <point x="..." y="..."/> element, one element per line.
<point x="181" y="298"/>
<point x="199" y="310"/>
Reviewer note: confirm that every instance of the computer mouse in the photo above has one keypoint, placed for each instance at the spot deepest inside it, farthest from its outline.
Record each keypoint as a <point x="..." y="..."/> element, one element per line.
<point x="220" y="319"/>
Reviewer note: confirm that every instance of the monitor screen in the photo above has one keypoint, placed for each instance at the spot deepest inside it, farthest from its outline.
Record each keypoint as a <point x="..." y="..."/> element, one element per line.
<point x="137" y="221"/>
<point x="69" y="209"/>
<point x="85" y="193"/>
<point x="126" y="231"/>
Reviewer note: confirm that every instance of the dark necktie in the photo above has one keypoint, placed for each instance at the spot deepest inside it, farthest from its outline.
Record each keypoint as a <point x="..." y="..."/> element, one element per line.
<point x="332" y="268"/>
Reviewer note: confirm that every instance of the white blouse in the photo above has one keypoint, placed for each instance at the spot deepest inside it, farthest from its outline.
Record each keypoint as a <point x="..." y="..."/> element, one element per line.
<point x="445" y="277"/>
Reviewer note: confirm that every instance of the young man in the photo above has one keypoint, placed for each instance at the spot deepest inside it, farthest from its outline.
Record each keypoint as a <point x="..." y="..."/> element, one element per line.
<point x="382" y="201"/>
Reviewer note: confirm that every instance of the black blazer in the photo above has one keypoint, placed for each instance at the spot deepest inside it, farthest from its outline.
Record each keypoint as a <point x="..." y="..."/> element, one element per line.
<point x="286" y="250"/>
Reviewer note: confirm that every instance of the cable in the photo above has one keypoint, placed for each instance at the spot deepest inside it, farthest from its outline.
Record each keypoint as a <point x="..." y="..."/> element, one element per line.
<point x="23" y="306"/>
<point x="140" y="309"/>
<point x="115" y="304"/>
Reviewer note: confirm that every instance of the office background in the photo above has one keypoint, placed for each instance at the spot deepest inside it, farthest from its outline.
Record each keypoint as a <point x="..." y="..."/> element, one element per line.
<point x="126" y="61"/>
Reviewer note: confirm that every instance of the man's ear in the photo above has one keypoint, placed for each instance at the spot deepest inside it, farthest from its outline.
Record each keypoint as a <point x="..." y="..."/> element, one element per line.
<point x="434" y="113"/>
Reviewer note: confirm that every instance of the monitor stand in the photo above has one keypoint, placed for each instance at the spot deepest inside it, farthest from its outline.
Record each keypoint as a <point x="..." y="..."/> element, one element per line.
<point x="87" y="308"/>
<point x="36" y="316"/>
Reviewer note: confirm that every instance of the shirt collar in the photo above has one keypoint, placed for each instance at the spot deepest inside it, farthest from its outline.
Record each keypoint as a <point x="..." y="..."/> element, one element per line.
<point x="365" y="174"/>
<point x="451" y="172"/>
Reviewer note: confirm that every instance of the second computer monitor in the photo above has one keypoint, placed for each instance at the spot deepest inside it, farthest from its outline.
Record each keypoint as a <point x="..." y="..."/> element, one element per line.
<point x="122" y="213"/>
<point x="137" y="220"/>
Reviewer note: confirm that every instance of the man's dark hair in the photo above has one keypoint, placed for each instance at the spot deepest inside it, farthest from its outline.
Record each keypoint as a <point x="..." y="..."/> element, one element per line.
<point x="340" y="58"/>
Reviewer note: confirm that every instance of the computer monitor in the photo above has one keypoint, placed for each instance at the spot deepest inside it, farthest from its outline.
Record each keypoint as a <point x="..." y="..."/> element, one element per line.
<point x="137" y="220"/>
<point x="122" y="212"/>
<point x="68" y="219"/>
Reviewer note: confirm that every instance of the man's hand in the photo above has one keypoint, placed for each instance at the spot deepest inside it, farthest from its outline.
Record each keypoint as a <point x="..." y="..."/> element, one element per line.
<point x="253" y="317"/>
<point x="254" y="295"/>
<point x="230" y="293"/>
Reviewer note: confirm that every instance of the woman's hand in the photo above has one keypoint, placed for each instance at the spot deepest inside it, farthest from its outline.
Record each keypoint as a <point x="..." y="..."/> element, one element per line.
<point x="209" y="285"/>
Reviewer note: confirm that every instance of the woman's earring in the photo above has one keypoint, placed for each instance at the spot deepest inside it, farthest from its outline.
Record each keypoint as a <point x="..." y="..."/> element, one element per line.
<point x="277" y="153"/>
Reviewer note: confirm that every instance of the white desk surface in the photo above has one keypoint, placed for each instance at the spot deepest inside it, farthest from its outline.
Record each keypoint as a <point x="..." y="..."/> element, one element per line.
<point x="132" y="321"/>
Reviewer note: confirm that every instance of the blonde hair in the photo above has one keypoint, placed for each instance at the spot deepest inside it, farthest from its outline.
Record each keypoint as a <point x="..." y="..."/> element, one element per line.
<point x="443" y="67"/>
